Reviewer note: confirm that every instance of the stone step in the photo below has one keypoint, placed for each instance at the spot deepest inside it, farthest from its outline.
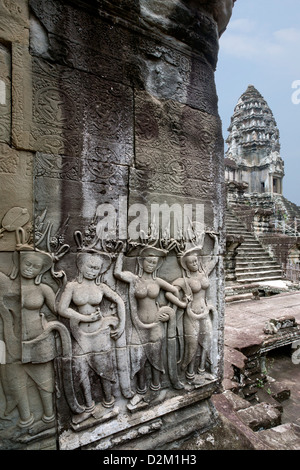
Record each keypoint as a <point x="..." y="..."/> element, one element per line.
<point x="240" y="297"/>
<point x="234" y="222"/>
<point x="253" y="259"/>
<point x="238" y="231"/>
<point x="259" y="279"/>
<point x="274" y="269"/>
<point x="251" y="244"/>
<point x="253" y="262"/>
<point x="266" y="272"/>
<point x="242" y="263"/>
<point x="250" y="253"/>
<point x="257" y="255"/>
<point x="252" y="249"/>
<point x="258" y="269"/>
<point x="236" y="227"/>
<point x="246" y="238"/>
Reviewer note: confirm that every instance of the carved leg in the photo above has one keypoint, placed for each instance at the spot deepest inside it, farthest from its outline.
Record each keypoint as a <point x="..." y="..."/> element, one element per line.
<point x="201" y="368"/>
<point x="123" y="369"/>
<point x="205" y="347"/>
<point x="47" y="401"/>
<point x="141" y="381"/>
<point x="48" y="419"/>
<point x="190" y="350"/>
<point x="172" y="353"/>
<point x="14" y="379"/>
<point x="89" y="403"/>
<point x="65" y="367"/>
<point x="108" y="400"/>
<point x="190" y="372"/>
<point x="87" y="392"/>
<point x="26" y="417"/>
<point x="155" y="384"/>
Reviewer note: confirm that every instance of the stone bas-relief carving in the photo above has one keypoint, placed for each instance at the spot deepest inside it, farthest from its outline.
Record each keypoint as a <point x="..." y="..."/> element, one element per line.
<point x="145" y="345"/>
<point x="42" y="340"/>
<point x="148" y="318"/>
<point x="96" y="334"/>
<point x="31" y="338"/>
<point x="86" y="332"/>
<point x="27" y="369"/>
<point x="197" y="318"/>
<point x="34" y="295"/>
<point x="140" y="344"/>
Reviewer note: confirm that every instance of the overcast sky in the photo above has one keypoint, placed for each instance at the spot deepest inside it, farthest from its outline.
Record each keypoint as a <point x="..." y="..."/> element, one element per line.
<point x="261" y="47"/>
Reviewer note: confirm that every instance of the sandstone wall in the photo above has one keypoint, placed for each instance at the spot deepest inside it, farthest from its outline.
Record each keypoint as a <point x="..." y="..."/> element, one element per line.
<point x="111" y="163"/>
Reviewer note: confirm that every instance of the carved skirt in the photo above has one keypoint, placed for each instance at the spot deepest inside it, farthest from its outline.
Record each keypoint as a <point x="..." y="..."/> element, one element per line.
<point x="146" y="346"/>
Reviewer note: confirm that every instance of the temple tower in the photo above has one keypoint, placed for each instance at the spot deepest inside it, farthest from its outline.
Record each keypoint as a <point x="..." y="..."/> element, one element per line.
<point x="253" y="154"/>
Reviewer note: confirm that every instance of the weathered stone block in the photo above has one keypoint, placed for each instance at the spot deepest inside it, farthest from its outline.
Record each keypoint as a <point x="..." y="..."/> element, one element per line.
<point x="5" y="94"/>
<point x="14" y="21"/>
<point x="282" y="437"/>
<point x="280" y="392"/>
<point x="260" y="416"/>
<point x="237" y="402"/>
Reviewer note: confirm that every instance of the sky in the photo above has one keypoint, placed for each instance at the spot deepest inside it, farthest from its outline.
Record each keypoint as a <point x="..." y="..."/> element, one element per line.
<point x="261" y="47"/>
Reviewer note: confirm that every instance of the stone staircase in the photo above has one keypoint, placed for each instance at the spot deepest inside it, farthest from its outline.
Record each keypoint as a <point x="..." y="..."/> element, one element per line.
<point x="291" y="209"/>
<point x="253" y="263"/>
<point x="291" y="215"/>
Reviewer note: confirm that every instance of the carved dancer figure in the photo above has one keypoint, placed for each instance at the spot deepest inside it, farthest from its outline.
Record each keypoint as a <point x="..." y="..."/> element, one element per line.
<point x="34" y="295"/>
<point x="18" y="331"/>
<point x="10" y="315"/>
<point x="93" y="331"/>
<point x="197" y="322"/>
<point x="148" y="317"/>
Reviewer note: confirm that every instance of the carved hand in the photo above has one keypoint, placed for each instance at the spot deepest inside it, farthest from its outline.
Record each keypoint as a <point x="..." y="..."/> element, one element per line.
<point x="163" y="317"/>
<point x="115" y="334"/>
<point x="95" y="316"/>
<point x="188" y="298"/>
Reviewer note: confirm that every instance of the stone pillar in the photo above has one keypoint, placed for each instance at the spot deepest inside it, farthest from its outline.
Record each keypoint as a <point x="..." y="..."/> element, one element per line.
<point x="112" y="228"/>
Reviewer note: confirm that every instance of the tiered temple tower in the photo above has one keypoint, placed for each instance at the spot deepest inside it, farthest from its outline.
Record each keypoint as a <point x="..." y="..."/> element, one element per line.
<point x="253" y="154"/>
<point x="254" y="172"/>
